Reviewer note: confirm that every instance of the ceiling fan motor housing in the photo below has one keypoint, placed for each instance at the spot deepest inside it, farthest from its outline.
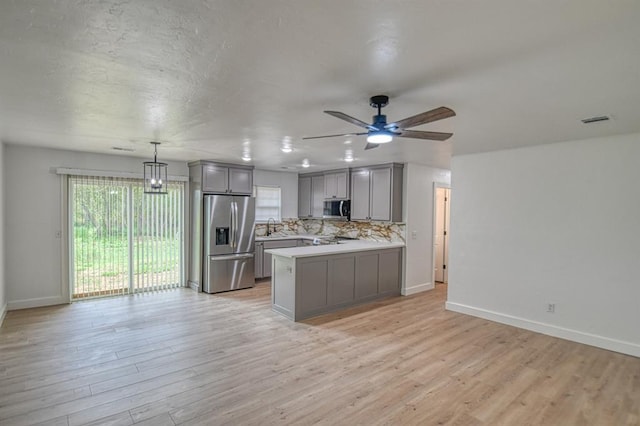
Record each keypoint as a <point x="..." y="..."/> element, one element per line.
<point x="379" y="101"/>
<point x="379" y="121"/>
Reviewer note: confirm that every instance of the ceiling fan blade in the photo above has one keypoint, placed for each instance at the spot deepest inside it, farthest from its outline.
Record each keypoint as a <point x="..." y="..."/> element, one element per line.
<point x="370" y="145"/>
<point x="335" y="136"/>
<point x="419" y="134"/>
<point x="345" y="117"/>
<point x="422" y="118"/>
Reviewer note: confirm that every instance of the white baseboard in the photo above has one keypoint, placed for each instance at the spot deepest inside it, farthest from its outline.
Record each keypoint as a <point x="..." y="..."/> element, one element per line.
<point x="3" y="312"/>
<point x="36" y="303"/>
<point x="408" y="291"/>
<point x="621" y="346"/>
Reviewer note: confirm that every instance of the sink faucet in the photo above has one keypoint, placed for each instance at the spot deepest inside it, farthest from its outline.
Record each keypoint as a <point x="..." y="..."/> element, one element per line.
<point x="269" y="232"/>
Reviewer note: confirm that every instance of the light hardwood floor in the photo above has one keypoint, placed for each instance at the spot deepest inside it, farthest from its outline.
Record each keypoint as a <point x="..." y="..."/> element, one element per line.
<point x="180" y="357"/>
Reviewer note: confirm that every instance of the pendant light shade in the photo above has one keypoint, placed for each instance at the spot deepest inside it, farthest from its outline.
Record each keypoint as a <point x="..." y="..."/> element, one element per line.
<point x="155" y="174"/>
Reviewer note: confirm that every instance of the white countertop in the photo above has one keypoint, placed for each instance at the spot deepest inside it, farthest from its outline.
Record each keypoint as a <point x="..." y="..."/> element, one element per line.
<point x="321" y="250"/>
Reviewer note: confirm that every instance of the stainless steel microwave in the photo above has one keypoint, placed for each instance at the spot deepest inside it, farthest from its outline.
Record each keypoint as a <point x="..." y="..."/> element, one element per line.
<point x="337" y="210"/>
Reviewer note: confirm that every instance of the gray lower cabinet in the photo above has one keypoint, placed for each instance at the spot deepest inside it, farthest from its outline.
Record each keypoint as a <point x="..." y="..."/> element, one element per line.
<point x="259" y="259"/>
<point x="308" y="286"/>
<point x="264" y="259"/>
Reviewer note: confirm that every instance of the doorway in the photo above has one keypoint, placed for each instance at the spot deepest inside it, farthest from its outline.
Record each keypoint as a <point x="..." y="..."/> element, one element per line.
<point x="441" y="223"/>
<point x="123" y="241"/>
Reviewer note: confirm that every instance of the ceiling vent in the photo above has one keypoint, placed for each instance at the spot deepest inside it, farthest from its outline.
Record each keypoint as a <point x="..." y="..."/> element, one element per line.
<point x="595" y="119"/>
<point x="119" y="148"/>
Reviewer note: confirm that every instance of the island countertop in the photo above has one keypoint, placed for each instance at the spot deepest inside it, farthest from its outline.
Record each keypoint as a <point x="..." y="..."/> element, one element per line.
<point x="343" y="247"/>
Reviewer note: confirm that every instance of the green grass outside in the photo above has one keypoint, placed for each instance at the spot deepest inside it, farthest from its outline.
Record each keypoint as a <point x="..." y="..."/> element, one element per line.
<point x="100" y="262"/>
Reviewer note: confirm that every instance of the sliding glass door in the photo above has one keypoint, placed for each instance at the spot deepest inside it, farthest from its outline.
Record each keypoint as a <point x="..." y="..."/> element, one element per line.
<point x="122" y="240"/>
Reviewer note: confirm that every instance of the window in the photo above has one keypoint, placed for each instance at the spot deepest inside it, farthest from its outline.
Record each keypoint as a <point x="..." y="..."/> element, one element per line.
<point x="267" y="203"/>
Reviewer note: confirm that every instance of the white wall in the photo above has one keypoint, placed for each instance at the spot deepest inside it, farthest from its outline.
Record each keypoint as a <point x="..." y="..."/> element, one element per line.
<point x="32" y="209"/>
<point x="288" y="183"/>
<point x="418" y="213"/>
<point x="556" y="224"/>
<point x="3" y="290"/>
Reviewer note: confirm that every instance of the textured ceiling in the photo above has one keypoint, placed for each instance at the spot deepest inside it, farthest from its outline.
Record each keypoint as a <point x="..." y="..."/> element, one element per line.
<point x="210" y="79"/>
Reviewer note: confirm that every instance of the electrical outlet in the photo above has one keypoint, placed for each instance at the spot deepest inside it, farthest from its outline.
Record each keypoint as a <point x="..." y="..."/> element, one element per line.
<point x="58" y="234"/>
<point x="551" y="308"/>
<point x="414" y="235"/>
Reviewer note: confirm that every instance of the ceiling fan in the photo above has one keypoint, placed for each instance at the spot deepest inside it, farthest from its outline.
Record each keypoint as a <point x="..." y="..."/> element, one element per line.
<point x="380" y="131"/>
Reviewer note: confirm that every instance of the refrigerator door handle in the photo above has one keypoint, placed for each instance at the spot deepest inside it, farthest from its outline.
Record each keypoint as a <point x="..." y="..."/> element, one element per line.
<point x="234" y="224"/>
<point x="225" y="257"/>
<point x="232" y="231"/>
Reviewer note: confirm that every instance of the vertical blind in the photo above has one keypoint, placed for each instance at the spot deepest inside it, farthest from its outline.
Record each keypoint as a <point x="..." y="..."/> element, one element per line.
<point x="122" y="240"/>
<point x="267" y="203"/>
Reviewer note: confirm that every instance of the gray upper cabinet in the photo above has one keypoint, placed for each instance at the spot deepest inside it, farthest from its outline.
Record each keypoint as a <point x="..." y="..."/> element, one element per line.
<point x="336" y="185"/>
<point x="360" y="194"/>
<point x="376" y="193"/>
<point x="219" y="178"/>
<point x="380" y="182"/>
<point x="310" y="196"/>
<point x="240" y="181"/>
<point x="317" y="196"/>
<point x="304" y="196"/>
<point x="215" y="178"/>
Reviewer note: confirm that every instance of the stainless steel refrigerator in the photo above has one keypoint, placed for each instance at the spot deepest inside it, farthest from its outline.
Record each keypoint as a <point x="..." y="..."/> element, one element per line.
<point x="228" y="243"/>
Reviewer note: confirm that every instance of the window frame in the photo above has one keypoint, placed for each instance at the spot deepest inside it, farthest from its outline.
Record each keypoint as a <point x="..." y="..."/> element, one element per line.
<point x="258" y="219"/>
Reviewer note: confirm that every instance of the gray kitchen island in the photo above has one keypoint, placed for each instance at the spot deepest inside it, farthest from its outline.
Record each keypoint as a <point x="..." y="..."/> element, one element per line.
<point x="313" y="280"/>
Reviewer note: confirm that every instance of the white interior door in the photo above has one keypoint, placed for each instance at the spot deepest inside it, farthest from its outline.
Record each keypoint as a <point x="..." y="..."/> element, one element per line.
<point x="441" y="237"/>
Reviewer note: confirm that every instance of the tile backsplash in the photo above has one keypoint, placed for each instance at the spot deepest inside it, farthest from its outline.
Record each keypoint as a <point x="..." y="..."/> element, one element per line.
<point x="372" y="231"/>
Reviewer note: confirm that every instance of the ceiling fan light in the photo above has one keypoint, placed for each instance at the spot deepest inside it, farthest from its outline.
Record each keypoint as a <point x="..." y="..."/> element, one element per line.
<point x="379" y="137"/>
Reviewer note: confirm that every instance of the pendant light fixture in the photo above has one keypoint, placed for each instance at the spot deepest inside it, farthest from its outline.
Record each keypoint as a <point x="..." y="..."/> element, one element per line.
<point x="155" y="174"/>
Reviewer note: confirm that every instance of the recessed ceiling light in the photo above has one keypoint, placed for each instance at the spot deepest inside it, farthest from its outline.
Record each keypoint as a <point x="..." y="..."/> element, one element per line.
<point x="305" y="163"/>
<point x="348" y="156"/>
<point x="246" y="158"/>
<point x="286" y="144"/>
